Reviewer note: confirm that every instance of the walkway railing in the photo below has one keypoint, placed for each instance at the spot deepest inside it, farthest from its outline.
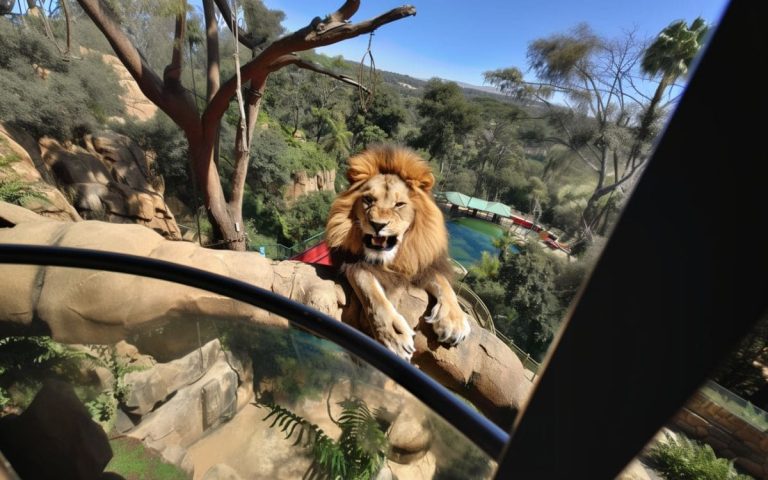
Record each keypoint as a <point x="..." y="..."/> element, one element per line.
<point x="528" y="362"/>
<point x="279" y="251"/>
<point x="475" y="305"/>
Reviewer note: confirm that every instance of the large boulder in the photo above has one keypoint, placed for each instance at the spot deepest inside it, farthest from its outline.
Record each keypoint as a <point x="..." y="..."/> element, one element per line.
<point x="205" y="399"/>
<point x="152" y="386"/>
<point x="16" y="164"/>
<point x="110" y="178"/>
<point x="85" y="306"/>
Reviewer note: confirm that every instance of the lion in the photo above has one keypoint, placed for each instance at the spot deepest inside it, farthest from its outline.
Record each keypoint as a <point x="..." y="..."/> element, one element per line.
<point x="387" y="232"/>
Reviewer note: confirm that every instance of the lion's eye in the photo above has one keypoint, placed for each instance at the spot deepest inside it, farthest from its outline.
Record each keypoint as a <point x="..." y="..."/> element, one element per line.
<point x="368" y="200"/>
<point x="399" y="204"/>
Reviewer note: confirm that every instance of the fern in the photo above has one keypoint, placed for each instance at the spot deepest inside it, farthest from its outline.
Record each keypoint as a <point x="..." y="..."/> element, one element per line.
<point x="685" y="459"/>
<point x="362" y="439"/>
<point x="357" y="455"/>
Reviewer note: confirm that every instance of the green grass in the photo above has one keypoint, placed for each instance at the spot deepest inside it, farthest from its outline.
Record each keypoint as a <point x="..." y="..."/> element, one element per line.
<point x="135" y="462"/>
<point x="7" y="155"/>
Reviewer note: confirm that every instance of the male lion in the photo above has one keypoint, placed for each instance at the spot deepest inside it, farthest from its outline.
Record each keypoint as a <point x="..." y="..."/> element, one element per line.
<point x="388" y="232"/>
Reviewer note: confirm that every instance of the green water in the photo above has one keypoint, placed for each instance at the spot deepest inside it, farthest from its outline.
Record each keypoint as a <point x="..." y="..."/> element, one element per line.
<point x="470" y="237"/>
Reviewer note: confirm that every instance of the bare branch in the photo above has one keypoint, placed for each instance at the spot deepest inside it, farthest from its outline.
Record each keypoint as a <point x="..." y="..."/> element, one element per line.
<point x="339" y="17"/>
<point x="312" y="36"/>
<point x="307" y="65"/>
<point x="346" y="11"/>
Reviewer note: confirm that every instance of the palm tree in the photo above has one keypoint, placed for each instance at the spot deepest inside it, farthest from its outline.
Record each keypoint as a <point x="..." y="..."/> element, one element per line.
<point x="338" y="139"/>
<point x="670" y="56"/>
<point x="673" y="51"/>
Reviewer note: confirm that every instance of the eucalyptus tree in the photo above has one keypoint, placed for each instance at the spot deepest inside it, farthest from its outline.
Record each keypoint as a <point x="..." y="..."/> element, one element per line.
<point x="590" y="92"/>
<point x="201" y="124"/>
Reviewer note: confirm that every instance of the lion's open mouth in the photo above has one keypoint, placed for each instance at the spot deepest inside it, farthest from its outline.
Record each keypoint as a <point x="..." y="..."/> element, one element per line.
<point x="380" y="243"/>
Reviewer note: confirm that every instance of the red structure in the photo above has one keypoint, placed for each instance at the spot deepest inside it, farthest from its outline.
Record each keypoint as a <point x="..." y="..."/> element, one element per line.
<point x="320" y="254"/>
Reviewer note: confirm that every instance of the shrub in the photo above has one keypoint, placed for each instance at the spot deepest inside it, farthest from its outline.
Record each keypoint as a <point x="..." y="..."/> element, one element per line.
<point x="44" y="94"/>
<point x="685" y="459"/>
<point x="308" y="215"/>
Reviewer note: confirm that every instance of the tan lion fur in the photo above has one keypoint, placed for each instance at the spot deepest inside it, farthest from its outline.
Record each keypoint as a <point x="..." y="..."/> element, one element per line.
<point x="425" y="245"/>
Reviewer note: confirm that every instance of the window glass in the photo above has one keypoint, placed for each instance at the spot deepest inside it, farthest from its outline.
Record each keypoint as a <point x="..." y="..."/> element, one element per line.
<point x="210" y="385"/>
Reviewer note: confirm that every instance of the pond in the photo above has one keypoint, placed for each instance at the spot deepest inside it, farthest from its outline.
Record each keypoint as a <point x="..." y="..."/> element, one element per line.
<point x="470" y="237"/>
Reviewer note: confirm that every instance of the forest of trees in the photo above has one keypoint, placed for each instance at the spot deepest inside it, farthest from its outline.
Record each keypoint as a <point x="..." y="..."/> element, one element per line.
<point x="563" y="146"/>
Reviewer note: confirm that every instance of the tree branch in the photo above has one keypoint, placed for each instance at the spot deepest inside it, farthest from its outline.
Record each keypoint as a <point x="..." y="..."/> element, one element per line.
<point x="340" y="16"/>
<point x="68" y="22"/>
<point x="312" y="36"/>
<point x="172" y="73"/>
<point x="178" y="105"/>
<point x="307" y="65"/>
<point x="212" y="49"/>
<point x="244" y="37"/>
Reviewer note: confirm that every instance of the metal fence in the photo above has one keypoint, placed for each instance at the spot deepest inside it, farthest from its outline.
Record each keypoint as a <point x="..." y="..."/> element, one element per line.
<point x="528" y="362"/>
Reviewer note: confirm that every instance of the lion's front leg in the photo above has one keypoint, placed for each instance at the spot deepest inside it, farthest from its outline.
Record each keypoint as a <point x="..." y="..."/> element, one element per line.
<point x="447" y="318"/>
<point x="389" y="327"/>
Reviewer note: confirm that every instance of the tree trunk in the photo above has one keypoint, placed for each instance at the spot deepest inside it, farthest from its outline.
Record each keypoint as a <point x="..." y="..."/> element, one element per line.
<point x="68" y="21"/>
<point x="225" y="231"/>
<point x="242" y="157"/>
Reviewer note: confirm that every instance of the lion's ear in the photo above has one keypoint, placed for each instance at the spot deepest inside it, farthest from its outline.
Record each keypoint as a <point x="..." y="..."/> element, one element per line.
<point x="425" y="182"/>
<point x="361" y="167"/>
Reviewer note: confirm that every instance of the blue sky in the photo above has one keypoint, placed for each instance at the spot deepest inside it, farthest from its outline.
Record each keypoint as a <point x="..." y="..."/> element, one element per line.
<point x="448" y="39"/>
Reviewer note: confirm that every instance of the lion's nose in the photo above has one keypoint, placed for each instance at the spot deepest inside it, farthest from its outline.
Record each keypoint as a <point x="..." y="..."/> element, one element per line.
<point x="378" y="226"/>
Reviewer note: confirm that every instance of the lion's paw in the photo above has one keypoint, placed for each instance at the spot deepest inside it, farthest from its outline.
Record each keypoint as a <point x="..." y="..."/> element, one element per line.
<point x="450" y="323"/>
<point x="397" y="335"/>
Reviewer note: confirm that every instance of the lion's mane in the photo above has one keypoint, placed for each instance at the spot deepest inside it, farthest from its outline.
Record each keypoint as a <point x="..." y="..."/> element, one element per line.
<point x="425" y="245"/>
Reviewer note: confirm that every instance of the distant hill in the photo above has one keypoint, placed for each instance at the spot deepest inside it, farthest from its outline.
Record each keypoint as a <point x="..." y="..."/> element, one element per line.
<point x="410" y="86"/>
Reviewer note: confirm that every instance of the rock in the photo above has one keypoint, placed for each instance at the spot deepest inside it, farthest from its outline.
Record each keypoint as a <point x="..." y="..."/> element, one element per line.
<point x="129" y="356"/>
<point x="110" y="178"/>
<point x="17" y="164"/>
<point x="149" y="387"/>
<point x="174" y="454"/>
<point x="242" y="442"/>
<point x="104" y="378"/>
<point x="304" y="183"/>
<point x="140" y="302"/>
<point x="55" y="437"/>
<point x="634" y="471"/>
<point x="422" y="469"/>
<point x="409" y="437"/>
<point x="122" y="422"/>
<point x="385" y="474"/>
<point x="136" y="104"/>
<point x="482" y="368"/>
<point x="221" y="471"/>
<point x="194" y="409"/>
<point x="12" y="215"/>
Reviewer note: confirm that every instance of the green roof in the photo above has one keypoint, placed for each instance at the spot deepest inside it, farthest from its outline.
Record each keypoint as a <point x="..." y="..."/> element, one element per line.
<point x="466" y="201"/>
